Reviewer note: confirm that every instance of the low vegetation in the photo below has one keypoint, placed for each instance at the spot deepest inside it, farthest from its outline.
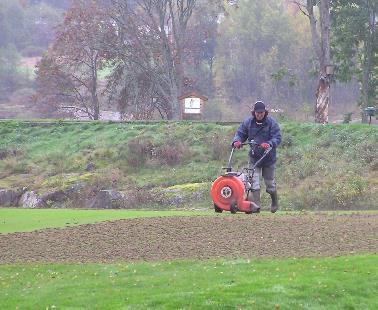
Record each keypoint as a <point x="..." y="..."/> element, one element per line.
<point x="164" y="164"/>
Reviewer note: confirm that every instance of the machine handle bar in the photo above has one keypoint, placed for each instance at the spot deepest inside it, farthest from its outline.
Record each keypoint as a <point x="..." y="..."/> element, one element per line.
<point x="251" y="143"/>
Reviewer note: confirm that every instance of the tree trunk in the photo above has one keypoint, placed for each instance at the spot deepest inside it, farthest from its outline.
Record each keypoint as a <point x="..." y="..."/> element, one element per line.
<point x="95" y="101"/>
<point x="322" y="101"/>
<point x="323" y="91"/>
<point x="321" y="45"/>
<point x="365" y="91"/>
<point x="96" y="108"/>
<point x="367" y="61"/>
<point x="176" y="109"/>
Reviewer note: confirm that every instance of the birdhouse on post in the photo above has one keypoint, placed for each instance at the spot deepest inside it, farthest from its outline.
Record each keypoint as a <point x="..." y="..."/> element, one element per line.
<point x="192" y="105"/>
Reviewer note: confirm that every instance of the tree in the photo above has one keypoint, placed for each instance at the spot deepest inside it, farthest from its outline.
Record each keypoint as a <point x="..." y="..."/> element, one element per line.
<point x="12" y="24"/>
<point x="40" y="21"/>
<point x="321" y="44"/>
<point x="9" y="77"/>
<point x="29" y="27"/>
<point x="68" y="73"/>
<point x="151" y="45"/>
<point x="200" y="45"/>
<point x="355" y="45"/>
<point x="261" y="54"/>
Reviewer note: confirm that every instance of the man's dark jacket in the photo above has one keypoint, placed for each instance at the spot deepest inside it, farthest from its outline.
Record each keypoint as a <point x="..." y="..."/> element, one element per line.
<point x="268" y="131"/>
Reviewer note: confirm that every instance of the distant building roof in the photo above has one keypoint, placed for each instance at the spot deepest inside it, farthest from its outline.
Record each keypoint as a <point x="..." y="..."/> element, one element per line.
<point x="193" y="94"/>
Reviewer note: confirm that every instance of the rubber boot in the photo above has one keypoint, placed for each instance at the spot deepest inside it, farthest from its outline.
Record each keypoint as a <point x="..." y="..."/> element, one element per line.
<point x="274" y="207"/>
<point x="254" y="197"/>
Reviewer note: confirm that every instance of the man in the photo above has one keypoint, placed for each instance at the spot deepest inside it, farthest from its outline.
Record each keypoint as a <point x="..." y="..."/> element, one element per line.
<point x="265" y="131"/>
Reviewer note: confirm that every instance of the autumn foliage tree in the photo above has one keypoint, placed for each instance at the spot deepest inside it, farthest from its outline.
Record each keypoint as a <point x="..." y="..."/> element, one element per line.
<point x="153" y="49"/>
<point x="67" y="75"/>
<point x="148" y="68"/>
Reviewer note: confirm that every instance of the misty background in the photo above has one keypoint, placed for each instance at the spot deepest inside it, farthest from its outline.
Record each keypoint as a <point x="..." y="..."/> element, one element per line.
<point x="232" y="52"/>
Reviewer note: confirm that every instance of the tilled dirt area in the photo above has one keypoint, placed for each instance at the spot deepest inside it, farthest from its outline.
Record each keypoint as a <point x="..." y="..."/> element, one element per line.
<point x="199" y="237"/>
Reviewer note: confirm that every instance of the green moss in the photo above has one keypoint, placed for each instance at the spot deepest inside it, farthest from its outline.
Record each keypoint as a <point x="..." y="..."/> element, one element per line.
<point x="189" y="187"/>
<point x="65" y="180"/>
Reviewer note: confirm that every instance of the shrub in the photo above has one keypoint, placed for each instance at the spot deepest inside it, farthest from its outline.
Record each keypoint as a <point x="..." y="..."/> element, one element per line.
<point x="287" y="141"/>
<point x="105" y="153"/>
<point x="367" y="151"/>
<point x="330" y="193"/>
<point x="144" y="152"/>
<point x="4" y="153"/>
<point x="58" y="161"/>
<point x="13" y="165"/>
<point x="171" y="156"/>
<point x="347" y="117"/>
<point x="140" y="197"/>
<point x="346" y="192"/>
<point x="139" y="151"/>
<point x="220" y="146"/>
<point x="106" y="179"/>
<point x="374" y="165"/>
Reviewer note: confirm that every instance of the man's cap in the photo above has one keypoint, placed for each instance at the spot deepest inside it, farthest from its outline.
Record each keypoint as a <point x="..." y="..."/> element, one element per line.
<point x="259" y="107"/>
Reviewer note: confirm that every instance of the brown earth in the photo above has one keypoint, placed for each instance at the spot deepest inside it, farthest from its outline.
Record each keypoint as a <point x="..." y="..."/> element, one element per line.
<point x="199" y="237"/>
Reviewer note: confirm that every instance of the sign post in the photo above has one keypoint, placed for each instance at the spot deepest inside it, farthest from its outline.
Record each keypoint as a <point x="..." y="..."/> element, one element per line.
<point x="192" y="106"/>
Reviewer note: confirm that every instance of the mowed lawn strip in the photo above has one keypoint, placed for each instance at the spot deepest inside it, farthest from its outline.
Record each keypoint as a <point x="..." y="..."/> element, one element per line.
<point x="23" y="220"/>
<point x="348" y="282"/>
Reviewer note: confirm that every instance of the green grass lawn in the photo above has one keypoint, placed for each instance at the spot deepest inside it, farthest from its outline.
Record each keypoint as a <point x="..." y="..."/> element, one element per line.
<point x="349" y="282"/>
<point x="19" y="220"/>
<point x="324" y="283"/>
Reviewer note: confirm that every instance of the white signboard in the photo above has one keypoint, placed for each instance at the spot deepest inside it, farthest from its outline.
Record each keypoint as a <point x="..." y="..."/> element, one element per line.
<point x="192" y="105"/>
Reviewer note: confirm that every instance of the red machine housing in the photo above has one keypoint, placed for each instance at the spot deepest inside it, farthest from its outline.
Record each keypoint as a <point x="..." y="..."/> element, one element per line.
<point x="228" y="193"/>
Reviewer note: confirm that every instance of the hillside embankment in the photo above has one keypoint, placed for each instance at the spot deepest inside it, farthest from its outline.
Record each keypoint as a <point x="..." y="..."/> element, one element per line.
<point x="172" y="164"/>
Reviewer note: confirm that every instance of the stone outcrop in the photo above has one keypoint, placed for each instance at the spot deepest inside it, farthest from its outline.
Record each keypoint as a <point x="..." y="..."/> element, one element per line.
<point x="31" y="200"/>
<point x="183" y="194"/>
<point x="9" y="197"/>
<point x="61" y="197"/>
<point x="108" y="199"/>
<point x="80" y="196"/>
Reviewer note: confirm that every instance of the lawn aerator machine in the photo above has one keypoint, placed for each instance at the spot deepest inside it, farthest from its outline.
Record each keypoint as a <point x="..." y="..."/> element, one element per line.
<point x="232" y="191"/>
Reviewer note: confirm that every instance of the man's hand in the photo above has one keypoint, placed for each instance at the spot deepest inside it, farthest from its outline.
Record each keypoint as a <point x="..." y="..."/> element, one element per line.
<point x="237" y="144"/>
<point x="265" y="146"/>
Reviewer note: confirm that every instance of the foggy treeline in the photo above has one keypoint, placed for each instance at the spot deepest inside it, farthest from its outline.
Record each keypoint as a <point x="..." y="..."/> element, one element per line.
<point x="138" y="57"/>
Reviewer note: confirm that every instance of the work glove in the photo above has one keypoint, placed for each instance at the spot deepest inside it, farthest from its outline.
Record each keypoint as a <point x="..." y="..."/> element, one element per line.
<point x="237" y="144"/>
<point x="265" y="146"/>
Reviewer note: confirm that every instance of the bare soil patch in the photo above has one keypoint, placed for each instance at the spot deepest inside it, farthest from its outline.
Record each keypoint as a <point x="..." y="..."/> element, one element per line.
<point x="199" y="237"/>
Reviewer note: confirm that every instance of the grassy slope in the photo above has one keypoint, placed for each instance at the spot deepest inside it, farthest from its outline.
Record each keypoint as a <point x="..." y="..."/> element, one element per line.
<point x="19" y="220"/>
<point x="326" y="283"/>
<point x="327" y="166"/>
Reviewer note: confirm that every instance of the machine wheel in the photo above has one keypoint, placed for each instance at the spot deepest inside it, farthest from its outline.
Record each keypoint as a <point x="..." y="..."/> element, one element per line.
<point x="217" y="209"/>
<point x="227" y="190"/>
<point x="233" y="208"/>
